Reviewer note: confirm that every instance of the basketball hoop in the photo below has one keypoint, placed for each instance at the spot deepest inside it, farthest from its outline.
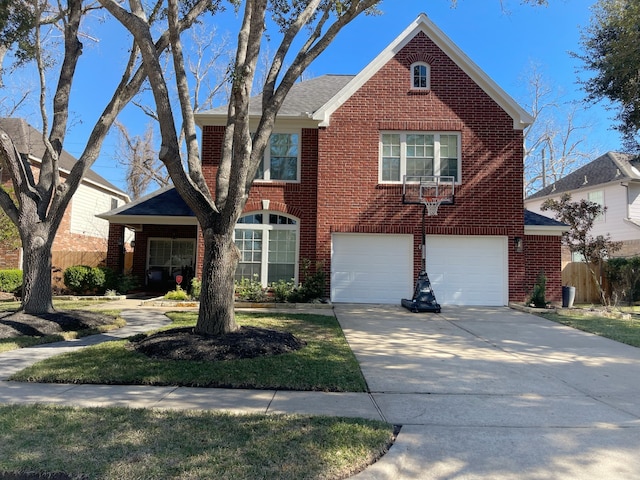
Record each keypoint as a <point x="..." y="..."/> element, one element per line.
<point x="432" y="204"/>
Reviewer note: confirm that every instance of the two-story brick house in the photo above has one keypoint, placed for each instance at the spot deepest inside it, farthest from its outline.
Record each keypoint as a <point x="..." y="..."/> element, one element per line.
<point x="330" y="188"/>
<point x="80" y="230"/>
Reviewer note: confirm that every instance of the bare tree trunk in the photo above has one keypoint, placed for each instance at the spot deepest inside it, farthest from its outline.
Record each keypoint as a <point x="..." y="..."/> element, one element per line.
<point x="216" y="315"/>
<point x="36" y="290"/>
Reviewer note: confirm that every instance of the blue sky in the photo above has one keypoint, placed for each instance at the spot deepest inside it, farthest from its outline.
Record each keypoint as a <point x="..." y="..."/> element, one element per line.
<point x="503" y="40"/>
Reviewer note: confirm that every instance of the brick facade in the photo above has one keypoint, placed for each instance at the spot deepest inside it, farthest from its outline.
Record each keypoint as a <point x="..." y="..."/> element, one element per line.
<point x="339" y="190"/>
<point x="543" y="254"/>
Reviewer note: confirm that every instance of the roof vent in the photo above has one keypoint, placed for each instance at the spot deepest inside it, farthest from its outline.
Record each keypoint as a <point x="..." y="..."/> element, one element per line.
<point x="618" y="173"/>
<point x="585" y="180"/>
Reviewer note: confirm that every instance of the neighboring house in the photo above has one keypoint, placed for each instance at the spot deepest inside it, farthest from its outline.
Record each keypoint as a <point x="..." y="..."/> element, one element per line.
<point x="611" y="180"/>
<point x="330" y="188"/>
<point x="80" y="230"/>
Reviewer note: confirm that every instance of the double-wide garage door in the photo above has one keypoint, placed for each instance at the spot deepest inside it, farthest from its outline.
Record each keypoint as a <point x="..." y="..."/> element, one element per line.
<point x="464" y="270"/>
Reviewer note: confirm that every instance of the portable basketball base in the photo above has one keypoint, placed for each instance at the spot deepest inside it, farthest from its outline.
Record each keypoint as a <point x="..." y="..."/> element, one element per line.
<point x="430" y="192"/>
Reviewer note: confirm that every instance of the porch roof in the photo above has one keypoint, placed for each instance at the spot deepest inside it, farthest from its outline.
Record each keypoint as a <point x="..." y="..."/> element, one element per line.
<point x="536" y="224"/>
<point x="164" y="206"/>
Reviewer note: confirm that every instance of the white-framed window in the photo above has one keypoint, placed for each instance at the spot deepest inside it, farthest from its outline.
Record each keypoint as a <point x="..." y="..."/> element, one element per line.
<point x="168" y="257"/>
<point x="418" y="154"/>
<point x="269" y="245"/>
<point x="281" y="160"/>
<point x="597" y="196"/>
<point x="420" y="76"/>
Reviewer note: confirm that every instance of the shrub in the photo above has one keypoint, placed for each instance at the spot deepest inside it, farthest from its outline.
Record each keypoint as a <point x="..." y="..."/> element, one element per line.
<point x="82" y="279"/>
<point x="623" y="275"/>
<point x="177" y="294"/>
<point x="538" y="299"/>
<point x="282" y="290"/>
<point x="10" y="280"/>
<point x="250" y="290"/>
<point x="121" y="283"/>
<point x="313" y="286"/>
<point x="196" y="287"/>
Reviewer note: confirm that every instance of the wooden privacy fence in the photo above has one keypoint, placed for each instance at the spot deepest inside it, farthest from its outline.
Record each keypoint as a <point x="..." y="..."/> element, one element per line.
<point x="63" y="260"/>
<point x="577" y="274"/>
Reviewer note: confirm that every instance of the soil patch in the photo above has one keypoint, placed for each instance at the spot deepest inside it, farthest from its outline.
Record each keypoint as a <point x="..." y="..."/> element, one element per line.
<point x="15" y="324"/>
<point x="247" y="342"/>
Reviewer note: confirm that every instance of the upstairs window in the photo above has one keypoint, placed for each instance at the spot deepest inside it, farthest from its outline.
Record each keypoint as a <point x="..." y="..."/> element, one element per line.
<point x="597" y="196"/>
<point x="420" y="76"/>
<point x="418" y="154"/>
<point x="281" y="161"/>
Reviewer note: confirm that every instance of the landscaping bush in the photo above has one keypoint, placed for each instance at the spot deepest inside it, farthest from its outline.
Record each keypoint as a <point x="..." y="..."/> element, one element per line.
<point x="82" y="279"/>
<point x="121" y="283"/>
<point x="623" y="275"/>
<point x="177" y="294"/>
<point x="196" y="287"/>
<point x="10" y="280"/>
<point x="282" y="290"/>
<point x="538" y="299"/>
<point x="250" y="290"/>
<point x="313" y="286"/>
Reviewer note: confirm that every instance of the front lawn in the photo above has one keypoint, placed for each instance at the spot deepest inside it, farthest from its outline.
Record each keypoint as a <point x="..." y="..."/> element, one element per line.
<point x="613" y="327"/>
<point x="127" y="444"/>
<point x="71" y="321"/>
<point x="326" y="363"/>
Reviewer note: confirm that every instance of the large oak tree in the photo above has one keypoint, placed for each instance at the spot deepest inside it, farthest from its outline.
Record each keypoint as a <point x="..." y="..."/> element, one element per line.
<point x="40" y="202"/>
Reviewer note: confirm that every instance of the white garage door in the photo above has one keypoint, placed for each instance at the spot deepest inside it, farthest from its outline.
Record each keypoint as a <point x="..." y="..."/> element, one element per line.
<point x="371" y="268"/>
<point x="468" y="270"/>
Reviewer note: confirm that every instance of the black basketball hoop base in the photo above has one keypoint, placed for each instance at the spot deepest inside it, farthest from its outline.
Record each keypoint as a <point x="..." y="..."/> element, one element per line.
<point x="424" y="300"/>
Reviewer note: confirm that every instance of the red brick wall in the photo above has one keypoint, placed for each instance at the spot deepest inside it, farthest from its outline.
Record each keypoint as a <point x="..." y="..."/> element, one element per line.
<point x="296" y="199"/>
<point x="489" y="200"/>
<point x="543" y="253"/>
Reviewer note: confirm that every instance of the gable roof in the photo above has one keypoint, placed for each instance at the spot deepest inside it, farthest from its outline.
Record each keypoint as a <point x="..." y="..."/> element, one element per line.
<point x="28" y="141"/>
<point x="302" y="101"/>
<point x="521" y="118"/>
<point x="318" y="98"/>
<point x="610" y="167"/>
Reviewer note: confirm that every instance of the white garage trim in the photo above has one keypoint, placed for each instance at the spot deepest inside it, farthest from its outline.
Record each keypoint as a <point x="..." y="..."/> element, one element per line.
<point x="371" y="268"/>
<point x="468" y="270"/>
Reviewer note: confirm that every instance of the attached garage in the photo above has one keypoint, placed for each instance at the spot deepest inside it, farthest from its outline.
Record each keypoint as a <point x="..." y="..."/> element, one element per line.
<point x="468" y="270"/>
<point x="371" y="268"/>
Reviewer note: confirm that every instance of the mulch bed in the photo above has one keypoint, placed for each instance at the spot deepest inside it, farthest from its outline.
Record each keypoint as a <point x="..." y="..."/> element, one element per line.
<point x="14" y="324"/>
<point x="247" y="342"/>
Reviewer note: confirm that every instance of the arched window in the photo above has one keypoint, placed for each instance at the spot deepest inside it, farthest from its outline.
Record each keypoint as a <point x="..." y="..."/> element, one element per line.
<point x="420" y="76"/>
<point x="268" y="244"/>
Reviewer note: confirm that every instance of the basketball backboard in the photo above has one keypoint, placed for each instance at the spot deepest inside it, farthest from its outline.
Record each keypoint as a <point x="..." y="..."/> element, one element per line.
<point x="420" y="189"/>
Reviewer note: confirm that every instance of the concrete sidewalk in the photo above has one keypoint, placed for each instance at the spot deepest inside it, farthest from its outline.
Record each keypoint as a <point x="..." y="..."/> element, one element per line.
<point x="149" y="318"/>
<point x="481" y="393"/>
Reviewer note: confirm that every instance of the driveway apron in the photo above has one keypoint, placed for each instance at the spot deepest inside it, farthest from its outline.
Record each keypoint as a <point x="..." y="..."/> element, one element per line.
<point x="492" y="393"/>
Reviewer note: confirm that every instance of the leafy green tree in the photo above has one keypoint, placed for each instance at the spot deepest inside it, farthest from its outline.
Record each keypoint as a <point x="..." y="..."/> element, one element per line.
<point x="611" y="47"/>
<point x="580" y="217"/>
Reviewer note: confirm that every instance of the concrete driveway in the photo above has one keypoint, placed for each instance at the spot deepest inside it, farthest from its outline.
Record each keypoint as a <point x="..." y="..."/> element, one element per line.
<point x="492" y="393"/>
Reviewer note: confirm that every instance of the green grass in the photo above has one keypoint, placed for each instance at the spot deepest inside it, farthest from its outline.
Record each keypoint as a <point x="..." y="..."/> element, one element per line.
<point x="61" y="304"/>
<point x="326" y="363"/>
<point x="618" y="329"/>
<point x="24" y="341"/>
<point x="124" y="444"/>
